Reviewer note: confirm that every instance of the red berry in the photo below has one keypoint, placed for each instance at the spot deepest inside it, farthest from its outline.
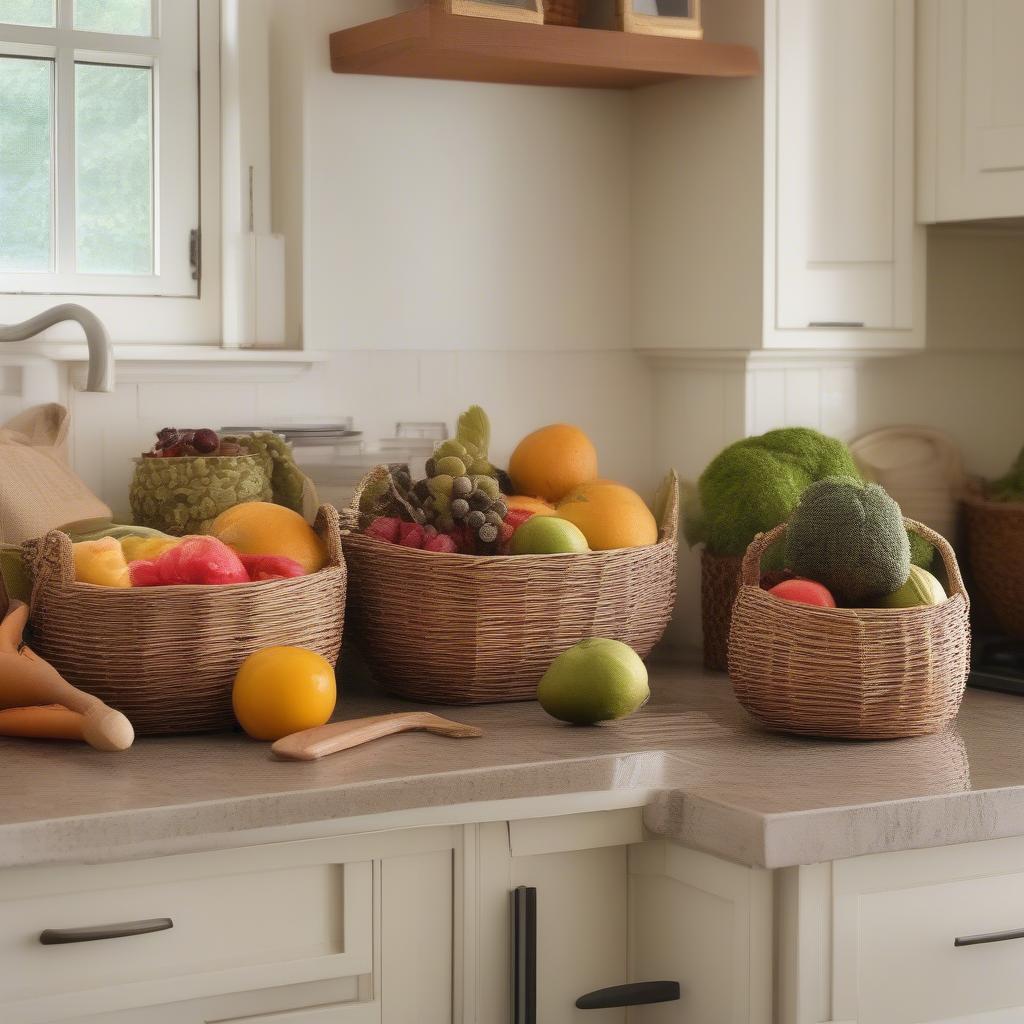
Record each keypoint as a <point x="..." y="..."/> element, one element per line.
<point x="410" y="535"/>
<point x="804" y="591"/>
<point x="205" y="441"/>
<point x="441" y="542"/>
<point x="384" y="528"/>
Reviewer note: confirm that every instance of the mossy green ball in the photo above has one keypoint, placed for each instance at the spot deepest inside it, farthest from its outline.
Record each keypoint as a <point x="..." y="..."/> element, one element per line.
<point x="849" y="536"/>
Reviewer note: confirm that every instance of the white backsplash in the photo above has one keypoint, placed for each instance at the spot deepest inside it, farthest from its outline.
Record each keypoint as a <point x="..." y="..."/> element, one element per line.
<point x="609" y="394"/>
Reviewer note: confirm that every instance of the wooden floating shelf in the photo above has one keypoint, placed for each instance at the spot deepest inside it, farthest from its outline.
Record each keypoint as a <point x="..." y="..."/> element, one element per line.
<point x="427" y="43"/>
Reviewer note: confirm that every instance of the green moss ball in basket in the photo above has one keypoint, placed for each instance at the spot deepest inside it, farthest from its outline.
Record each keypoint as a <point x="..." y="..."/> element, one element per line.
<point x="890" y="661"/>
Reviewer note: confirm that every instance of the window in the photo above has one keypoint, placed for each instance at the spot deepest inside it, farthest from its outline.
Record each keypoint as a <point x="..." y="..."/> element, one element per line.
<point x="99" y="146"/>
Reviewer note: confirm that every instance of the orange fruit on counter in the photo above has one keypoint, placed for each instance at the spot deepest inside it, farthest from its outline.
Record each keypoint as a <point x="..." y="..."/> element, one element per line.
<point x="281" y="690"/>
<point x="551" y="461"/>
<point x="610" y="515"/>
<point x="262" y="528"/>
<point x="538" y="506"/>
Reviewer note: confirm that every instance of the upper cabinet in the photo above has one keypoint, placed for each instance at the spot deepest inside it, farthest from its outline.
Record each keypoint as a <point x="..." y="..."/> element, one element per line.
<point x="971" y="103"/>
<point x="779" y="213"/>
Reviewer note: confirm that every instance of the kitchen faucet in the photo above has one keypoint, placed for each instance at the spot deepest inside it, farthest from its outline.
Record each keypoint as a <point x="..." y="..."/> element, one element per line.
<point x="101" y="356"/>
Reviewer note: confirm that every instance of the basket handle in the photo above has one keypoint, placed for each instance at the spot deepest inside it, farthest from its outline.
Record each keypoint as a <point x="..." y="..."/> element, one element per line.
<point x="49" y="560"/>
<point x="750" y="569"/>
<point x="328" y="526"/>
<point x="669" y="526"/>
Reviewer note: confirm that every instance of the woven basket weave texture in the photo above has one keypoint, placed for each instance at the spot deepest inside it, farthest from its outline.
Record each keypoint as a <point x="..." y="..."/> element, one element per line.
<point x="468" y="629"/>
<point x="719" y="585"/>
<point x="856" y="673"/>
<point x="995" y="546"/>
<point x="167" y="656"/>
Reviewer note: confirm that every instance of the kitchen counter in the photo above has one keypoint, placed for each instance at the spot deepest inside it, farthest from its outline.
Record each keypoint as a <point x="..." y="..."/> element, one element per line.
<point x="704" y="772"/>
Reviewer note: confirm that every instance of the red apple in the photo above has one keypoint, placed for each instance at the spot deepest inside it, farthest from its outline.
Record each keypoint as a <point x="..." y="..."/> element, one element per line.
<point x="804" y="592"/>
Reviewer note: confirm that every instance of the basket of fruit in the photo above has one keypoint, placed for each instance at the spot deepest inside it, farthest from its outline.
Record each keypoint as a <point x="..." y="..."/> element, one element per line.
<point x="189" y="477"/>
<point x="860" y="644"/>
<point x="157" y="626"/>
<point x="466" y="586"/>
<point x="994" y="515"/>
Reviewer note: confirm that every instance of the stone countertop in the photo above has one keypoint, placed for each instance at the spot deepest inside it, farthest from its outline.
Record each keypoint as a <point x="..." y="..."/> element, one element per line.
<point x="704" y="772"/>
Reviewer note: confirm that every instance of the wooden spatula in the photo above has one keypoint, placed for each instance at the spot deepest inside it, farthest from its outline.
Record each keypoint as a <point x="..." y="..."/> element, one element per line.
<point x="322" y="740"/>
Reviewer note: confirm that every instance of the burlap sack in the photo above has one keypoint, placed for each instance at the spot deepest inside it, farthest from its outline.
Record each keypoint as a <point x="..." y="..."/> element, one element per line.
<point x="38" y="489"/>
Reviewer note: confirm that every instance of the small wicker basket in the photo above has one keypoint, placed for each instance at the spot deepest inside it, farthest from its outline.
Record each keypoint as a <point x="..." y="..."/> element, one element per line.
<point x="167" y="656"/>
<point x="851" y="673"/>
<point x="995" y="547"/>
<point x="470" y="629"/>
<point x="719" y="584"/>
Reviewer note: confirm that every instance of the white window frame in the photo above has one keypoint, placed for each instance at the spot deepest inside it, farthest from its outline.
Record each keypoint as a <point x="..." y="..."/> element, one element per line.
<point x="169" y="306"/>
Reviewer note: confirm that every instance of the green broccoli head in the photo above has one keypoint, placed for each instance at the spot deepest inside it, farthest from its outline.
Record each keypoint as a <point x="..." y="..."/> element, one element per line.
<point x="849" y="536"/>
<point x="754" y="484"/>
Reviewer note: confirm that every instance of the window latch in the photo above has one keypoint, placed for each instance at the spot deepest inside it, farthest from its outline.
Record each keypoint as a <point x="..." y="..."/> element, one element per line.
<point x="195" y="253"/>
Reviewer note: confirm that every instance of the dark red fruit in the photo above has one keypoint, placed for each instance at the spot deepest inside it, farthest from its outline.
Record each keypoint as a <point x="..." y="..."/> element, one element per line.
<point x="205" y="441"/>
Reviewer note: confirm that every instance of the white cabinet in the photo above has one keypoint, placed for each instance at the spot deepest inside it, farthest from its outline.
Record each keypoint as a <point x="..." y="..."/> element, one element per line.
<point x="616" y="908"/>
<point x="844" y="164"/>
<point x="799" y="187"/>
<point x="971" y="99"/>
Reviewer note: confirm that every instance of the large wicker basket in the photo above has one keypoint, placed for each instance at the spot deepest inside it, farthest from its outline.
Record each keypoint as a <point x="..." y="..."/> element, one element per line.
<point x="167" y="656"/>
<point x="468" y="629"/>
<point x="855" y="673"/>
<point x="995" y="546"/>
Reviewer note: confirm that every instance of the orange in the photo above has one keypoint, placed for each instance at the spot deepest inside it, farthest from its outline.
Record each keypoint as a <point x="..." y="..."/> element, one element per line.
<point x="538" y="506"/>
<point x="551" y="461"/>
<point x="281" y="690"/>
<point x="610" y="516"/>
<point x="261" y="528"/>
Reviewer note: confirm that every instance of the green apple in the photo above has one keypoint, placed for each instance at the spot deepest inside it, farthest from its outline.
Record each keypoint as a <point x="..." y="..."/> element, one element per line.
<point x="595" y="681"/>
<point x="546" y="535"/>
<point x="921" y="588"/>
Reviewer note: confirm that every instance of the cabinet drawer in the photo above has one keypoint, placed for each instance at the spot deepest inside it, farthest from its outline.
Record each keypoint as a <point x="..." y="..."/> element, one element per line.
<point x="246" y="920"/>
<point x="896" y="922"/>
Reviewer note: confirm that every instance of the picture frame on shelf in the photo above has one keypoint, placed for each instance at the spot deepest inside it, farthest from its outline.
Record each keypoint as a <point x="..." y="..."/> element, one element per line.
<point x="523" y="11"/>
<point x="679" y="18"/>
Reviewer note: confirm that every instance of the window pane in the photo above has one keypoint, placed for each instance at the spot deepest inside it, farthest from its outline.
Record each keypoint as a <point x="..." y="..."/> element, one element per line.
<point x="123" y="17"/>
<point x="25" y="148"/>
<point x="27" y="12"/>
<point x="114" y="158"/>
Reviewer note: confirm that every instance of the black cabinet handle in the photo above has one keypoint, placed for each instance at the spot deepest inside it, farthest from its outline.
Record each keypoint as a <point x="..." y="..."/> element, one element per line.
<point x="96" y="932"/>
<point x="639" y="993"/>
<point x="524" y="955"/>
<point x="977" y="940"/>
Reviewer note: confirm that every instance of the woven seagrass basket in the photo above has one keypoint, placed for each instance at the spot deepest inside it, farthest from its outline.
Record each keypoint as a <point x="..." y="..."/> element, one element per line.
<point x="470" y="629"/>
<point x="852" y="673"/>
<point x="167" y="656"/>
<point x="995" y="547"/>
<point x="719" y="584"/>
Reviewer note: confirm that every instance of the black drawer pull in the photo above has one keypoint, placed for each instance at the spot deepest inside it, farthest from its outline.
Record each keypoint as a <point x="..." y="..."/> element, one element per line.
<point x="978" y="940"/>
<point x="524" y="955"/>
<point x="639" y="993"/>
<point x="96" y="932"/>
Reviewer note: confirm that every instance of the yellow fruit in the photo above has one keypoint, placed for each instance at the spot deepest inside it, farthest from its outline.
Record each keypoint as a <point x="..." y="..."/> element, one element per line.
<point x="138" y="548"/>
<point x="538" y="506"/>
<point x="610" y="516"/>
<point x="551" y="461"/>
<point x="100" y="562"/>
<point x="260" y="528"/>
<point x="281" y="690"/>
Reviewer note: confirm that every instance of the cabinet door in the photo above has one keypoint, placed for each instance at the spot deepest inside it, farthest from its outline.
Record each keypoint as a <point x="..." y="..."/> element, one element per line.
<point x="840" y="150"/>
<point x="705" y="923"/>
<point x="971" y="152"/>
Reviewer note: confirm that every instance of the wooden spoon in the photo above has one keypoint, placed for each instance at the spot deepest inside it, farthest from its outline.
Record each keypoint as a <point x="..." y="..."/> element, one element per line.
<point x="27" y="680"/>
<point x="322" y="740"/>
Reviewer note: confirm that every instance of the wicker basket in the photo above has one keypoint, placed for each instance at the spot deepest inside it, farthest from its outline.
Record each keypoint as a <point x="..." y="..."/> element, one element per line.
<point x="995" y="546"/>
<point x="719" y="584"/>
<point x="167" y="656"/>
<point x="468" y="629"/>
<point x="854" y="673"/>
